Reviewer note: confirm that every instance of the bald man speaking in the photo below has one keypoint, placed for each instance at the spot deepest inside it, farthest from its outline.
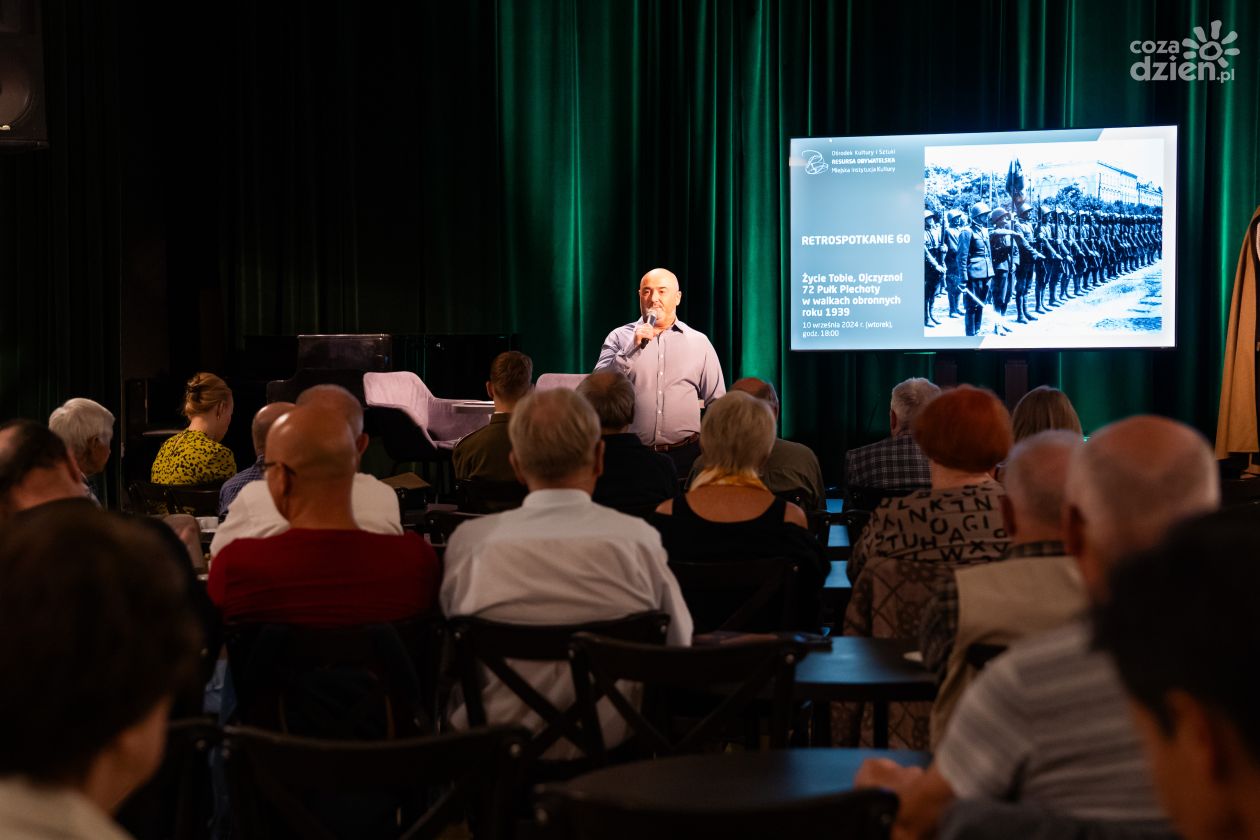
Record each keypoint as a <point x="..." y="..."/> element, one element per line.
<point x="673" y="369"/>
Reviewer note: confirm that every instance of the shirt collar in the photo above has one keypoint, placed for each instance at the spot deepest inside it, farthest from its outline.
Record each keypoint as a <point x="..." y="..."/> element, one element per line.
<point x="556" y="498"/>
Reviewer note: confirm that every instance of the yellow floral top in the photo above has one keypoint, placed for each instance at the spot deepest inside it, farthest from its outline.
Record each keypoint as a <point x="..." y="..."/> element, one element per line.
<point x="191" y="457"/>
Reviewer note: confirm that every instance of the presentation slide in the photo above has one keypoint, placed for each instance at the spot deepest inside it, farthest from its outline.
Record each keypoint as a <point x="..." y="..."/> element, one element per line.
<point x="993" y="241"/>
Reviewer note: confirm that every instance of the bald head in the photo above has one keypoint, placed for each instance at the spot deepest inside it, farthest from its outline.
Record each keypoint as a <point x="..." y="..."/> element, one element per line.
<point x="314" y="444"/>
<point x="761" y="389"/>
<point x="1036" y="478"/>
<point x="336" y="399"/>
<point x="263" y="420"/>
<point x="1133" y="480"/>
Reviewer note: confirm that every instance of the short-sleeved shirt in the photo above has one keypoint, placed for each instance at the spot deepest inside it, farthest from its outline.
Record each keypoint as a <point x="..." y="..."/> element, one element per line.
<point x="192" y="457"/>
<point x="325" y="578"/>
<point x="671" y="376"/>
<point x="1047" y="723"/>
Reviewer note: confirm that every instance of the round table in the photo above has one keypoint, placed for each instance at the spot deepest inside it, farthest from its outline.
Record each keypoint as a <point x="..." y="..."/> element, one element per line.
<point x="756" y="781"/>
<point x="862" y="670"/>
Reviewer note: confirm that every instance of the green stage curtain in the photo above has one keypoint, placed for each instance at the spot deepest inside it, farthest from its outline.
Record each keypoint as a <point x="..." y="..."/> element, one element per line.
<point x="517" y="166"/>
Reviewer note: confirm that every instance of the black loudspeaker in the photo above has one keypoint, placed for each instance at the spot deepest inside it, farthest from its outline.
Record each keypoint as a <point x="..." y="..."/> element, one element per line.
<point x="22" y="123"/>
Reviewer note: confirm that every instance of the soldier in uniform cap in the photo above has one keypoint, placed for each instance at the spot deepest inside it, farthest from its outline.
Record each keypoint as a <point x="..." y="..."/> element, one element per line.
<point x="933" y="267"/>
<point x="1028" y="255"/>
<point x="954" y="223"/>
<point x="1005" y="261"/>
<point x="975" y="262"/>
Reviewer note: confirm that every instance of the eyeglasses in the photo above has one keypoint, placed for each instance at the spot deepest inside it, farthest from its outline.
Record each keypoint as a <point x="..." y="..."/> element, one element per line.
<point x="266" y="465"/>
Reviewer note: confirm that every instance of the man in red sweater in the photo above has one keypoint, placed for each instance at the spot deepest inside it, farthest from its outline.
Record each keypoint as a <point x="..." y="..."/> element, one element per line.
<point x="324" y="571"/>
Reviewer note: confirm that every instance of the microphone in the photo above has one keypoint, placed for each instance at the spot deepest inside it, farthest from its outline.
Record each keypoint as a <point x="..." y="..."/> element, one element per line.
<point x="651" y="322"/>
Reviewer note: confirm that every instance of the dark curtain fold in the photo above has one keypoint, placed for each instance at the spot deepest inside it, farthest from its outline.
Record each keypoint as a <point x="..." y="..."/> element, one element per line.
<point x="517" y="165"/>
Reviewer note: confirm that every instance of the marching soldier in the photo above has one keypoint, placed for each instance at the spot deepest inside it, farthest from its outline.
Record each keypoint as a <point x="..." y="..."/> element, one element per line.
<point x="975" y="262"/>
<point x="1048" y="266"/>
<point x="1024" y="268"/>
<point x="954" y="221"/>
<point x="933" y="268"/>
<point x="1005" y="261"/>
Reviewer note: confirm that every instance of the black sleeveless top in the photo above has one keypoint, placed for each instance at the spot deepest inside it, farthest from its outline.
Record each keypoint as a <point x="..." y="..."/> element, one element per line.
<point x="689" y="538"/>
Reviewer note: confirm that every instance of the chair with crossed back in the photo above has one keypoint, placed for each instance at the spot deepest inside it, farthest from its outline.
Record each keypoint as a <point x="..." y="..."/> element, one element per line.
<point x="317" y="789"/>
<point x="739" y="672"/>
<point x="478" y="644"/>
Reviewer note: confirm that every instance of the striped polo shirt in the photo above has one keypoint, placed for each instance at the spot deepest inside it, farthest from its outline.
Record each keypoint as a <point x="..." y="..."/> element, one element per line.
<point x="1047" y="723"/>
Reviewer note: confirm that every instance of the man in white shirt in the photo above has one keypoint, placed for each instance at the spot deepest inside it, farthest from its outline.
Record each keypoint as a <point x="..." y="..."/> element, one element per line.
<point x="558" y="559"/>
<point x="374" y="503"/>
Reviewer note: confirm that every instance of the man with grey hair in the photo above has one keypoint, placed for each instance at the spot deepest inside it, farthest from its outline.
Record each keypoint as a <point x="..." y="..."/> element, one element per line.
<point x="1047" y="723"/>
<point x="1035" y="587"/>
<point x="894" y="463"/>
<point x="559" y="558"/>
<point x="253" y="513"/>
<point x="635" y="479"/>
<point x="87" y="427"/>
<point x="792" y="467"/>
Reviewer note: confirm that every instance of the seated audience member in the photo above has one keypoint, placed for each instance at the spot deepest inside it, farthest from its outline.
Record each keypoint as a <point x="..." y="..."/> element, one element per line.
<point x="484" y="453"/>
<point x="558" y="559"/>
<point x="87" y="427"/>
<point x="324" y="570"/>
<point x="1046" y="723"/>
<point x="635" y="479"/>
<point x="964" y="433"/>
<point x="1180" y="626"/>
<point x="791" y="466"/>
<point x="729" y="514"/>
<point x="375" y="504"/>
<point x="100" y="642"/>
<point x="894" y="463"/>
<point x="268" y="414"/>
<point x="1036" y="585"/>
<point x="1041" y="409"/>
<point x="37" y="474"/>
<point x="913" y="544"/>
<point x="195" y="455"/>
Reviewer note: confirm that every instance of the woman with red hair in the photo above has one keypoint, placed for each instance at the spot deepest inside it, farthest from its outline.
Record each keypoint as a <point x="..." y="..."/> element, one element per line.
<point x="912" y="543"/>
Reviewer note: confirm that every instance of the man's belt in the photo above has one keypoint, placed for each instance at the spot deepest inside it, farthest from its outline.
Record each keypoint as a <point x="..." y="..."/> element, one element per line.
<point x="669" y="447"/>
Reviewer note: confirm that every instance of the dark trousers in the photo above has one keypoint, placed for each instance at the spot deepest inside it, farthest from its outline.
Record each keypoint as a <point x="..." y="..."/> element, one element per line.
<point x="683" y="457"/>
<point x="1001" y="289"/>
<point x="974" y="306"/>
<point x="953" y="284"/>
<point x="1023" y="279"/>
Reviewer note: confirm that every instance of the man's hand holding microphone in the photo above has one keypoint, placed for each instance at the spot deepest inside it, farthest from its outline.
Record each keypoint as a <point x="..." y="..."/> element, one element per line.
<point x="646" y="331"/>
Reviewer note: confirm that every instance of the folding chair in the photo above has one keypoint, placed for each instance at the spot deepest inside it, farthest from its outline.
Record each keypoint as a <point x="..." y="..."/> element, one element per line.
<point x="148" y="498"/>
<point x="739" y="672"/>
<point x="478" y="643"/>
<point x="757" y="595"/>
<point x="177" y="801"/>
<point x="315" y="789"/>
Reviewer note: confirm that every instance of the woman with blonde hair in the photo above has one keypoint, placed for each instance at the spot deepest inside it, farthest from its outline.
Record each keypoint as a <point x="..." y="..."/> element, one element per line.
<point x="195" y="455"/>
<point x="729" y="515"/>
<point x="1042" y="409"/>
